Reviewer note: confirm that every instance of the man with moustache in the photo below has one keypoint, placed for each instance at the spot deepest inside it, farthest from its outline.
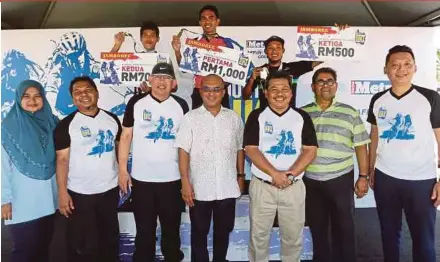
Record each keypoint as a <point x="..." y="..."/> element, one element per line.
<point x="211" y="163"/>
<point x="281" y="142"/>
<point x="329" y="178"/>
<point x="87" y="176"/>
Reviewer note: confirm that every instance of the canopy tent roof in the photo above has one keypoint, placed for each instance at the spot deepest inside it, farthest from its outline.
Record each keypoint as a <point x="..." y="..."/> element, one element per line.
<point x="60" y="14"/>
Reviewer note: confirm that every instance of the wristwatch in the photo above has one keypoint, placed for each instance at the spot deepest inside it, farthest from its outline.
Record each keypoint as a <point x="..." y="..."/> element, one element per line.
<point x="367" y="177"/>
<point x="241" y="175"/>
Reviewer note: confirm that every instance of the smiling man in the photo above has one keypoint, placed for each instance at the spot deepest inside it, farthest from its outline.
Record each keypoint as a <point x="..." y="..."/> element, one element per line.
<point x="329" y="179"/>
<point x="87" y="176"/>
<point x="404" y="121"/>
<point x="149" y="35"/>
<point x="274" y="49"/>
<point x="151" y="122"/>
<point x="281" y="142"/>
<point x="209" y="20"/>
<point x="211" y="163"/>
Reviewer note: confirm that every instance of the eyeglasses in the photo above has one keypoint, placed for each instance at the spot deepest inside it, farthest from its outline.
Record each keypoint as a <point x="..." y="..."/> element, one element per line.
<point x="216" y="89"/>
<point x="329" y="82"/>
<point x="163" y="77"/>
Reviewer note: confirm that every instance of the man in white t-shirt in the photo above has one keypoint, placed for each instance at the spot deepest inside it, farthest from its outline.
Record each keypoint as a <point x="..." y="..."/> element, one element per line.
<point x="151" y="122"/>
<point x="405" y="124"/>
<point x="87" y="176"/>
<point x="281" y="142"/>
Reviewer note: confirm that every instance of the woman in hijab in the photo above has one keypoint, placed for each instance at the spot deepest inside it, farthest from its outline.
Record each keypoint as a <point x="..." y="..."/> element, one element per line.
<point x="28" y="185"/>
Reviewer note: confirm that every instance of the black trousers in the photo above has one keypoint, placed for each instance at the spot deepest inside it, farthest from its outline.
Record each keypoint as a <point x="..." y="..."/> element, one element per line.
<point x="31" y="240"/>
<point x="152" y="200"/>
<point x="197" y="99"/>
<point x="93" y="228"/>
<point x="330" y="204"/>
<point x="223" y="214"/>
<point x="414" y="198"/>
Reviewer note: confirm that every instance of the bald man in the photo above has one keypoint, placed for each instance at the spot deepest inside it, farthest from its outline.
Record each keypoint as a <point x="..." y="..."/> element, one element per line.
<point x="211" y="164"/>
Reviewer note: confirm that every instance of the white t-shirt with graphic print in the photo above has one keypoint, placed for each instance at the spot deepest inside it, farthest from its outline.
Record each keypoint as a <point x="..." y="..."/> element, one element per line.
<point x="155" y="125"/>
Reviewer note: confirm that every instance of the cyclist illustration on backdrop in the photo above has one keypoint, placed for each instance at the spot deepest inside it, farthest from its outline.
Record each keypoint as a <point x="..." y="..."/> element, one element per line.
<point x="16" y="68"/>
<point x="70" y="59"/>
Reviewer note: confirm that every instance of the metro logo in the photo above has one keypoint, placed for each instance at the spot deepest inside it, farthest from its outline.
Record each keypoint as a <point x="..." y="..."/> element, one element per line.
<point x="369" y="87"/>
<point x="254" y="43"/>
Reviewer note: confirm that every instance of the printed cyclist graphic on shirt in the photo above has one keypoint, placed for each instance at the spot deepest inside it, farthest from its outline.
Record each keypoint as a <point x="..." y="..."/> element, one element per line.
<point x="401" y="128"/>
<point x="164" y="130"/>
<point x="285" y="145"/>
<point x="105" y="143"/>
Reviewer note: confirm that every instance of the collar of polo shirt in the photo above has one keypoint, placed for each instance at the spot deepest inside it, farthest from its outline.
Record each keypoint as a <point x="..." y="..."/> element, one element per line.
<point x="335" y="100"/>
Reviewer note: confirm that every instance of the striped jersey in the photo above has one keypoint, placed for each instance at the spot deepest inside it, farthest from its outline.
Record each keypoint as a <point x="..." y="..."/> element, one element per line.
<point x="338" y="129"/>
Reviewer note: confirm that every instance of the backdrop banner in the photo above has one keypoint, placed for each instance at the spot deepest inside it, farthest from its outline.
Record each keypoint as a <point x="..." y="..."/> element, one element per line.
<point x="55" y="56"/>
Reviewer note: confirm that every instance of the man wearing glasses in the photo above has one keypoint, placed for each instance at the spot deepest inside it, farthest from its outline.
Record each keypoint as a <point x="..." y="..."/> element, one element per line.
<point x="329" y="178"/>
<point x="151" y="121"/>
<point x="211" y="163"/>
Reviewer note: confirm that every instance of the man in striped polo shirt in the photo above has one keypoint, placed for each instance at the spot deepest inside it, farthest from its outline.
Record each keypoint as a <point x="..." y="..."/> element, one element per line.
<point x="329" y="179"/>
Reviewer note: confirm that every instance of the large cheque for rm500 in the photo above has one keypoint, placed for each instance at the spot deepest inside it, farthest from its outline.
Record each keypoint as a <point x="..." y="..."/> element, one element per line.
<point x="203" y="59"/>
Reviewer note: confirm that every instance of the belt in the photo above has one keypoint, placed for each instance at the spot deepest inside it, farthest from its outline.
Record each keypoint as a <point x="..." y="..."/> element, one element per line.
<point x="294" y="180"/>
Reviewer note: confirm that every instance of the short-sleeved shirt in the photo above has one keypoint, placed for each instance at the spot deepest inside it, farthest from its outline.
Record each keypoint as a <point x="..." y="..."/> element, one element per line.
<point x="338" y="129"/>
<point x="212" y="143"/>
<point x="93" y="167"/>
<point x="295" y="69"/>
<point x="406" y="146"/>
<point x="155" y="124"/>
<point x="279" y="137"/>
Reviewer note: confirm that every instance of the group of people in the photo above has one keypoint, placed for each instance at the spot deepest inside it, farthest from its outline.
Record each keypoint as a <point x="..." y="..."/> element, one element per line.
<point x="302" y="162"/>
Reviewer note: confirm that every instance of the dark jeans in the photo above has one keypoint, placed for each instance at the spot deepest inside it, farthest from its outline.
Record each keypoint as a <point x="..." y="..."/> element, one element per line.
<point x="93" y="228"/>
<point x="152" y="200"/>
<point x="330" y="204"/>
<point x="223" y="214"/>
<point x="414" y="198"/>
<point x="197" y="99"/>
<point x="31" y="240"/>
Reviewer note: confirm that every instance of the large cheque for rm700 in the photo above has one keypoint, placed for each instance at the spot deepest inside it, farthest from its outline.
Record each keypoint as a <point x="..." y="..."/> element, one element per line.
<point x="204" y="59"/>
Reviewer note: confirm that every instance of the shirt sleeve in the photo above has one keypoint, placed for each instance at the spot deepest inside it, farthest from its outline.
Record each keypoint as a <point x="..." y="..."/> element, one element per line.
<point x="239" y="133"/>
<point x="128" y="120"/>
<point x="308" y="134"/>
<point x="371" y="118"/>
<point x="360" y="134"/>
<point x="61" y="134"/>
<point x="184" y="136"/>
<point x="435" y="111"/>
<point x="6" y="179"/>
<point x="251" y="136"/>
<point x="182" y="103"/>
